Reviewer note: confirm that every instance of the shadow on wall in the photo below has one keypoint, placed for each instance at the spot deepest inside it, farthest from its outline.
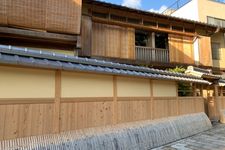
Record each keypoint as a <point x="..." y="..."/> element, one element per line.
<point x="182" y="50"/>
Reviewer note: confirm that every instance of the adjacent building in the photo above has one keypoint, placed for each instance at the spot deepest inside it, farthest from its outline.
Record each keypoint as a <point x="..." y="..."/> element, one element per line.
<point x="210" y="12"/>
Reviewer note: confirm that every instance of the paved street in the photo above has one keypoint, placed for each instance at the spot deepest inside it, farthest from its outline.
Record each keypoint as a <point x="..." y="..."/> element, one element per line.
<point x="213" y="139"/>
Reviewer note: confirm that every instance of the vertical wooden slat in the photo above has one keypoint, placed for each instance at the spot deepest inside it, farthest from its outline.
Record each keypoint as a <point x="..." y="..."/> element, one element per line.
<point x="2" y="122"/>
<point x="205" y="51"/>
<point x="115" y="102"/>
<point x="86" y="34"/>
<point x="56" y="114"/>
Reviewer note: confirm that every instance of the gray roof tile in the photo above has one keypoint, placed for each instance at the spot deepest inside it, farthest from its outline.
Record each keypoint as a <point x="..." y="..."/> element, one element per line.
<point x="44" y="59"/>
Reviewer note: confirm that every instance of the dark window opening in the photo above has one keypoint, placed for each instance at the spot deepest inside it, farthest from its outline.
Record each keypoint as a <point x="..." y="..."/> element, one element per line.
<point x="133" y="20"/>
<point x="161" y="40"/>
<point x="189" y="30"/>
<point x="118" y="18"/>
<point x="149" y="23"/>
<point x="100" y="15"/>
<point x="162" y="25"/>
<point x="216" y="51"/>
<point x="141" y="38"/>
<point x="177" y="28"/>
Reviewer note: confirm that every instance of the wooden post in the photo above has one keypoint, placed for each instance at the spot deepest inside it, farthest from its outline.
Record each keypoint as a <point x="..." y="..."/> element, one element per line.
<point x="86" y="34"/>
<point x="115" y="102"/>
<point x="222" y="97"/>
<point x="177" y="99"/>
<point x="151" y="99"/>
<point x="56" y="113"/>
<point x="194" y="89"/>
<point x="217" y="101"/>
<point x="201" y="91"/>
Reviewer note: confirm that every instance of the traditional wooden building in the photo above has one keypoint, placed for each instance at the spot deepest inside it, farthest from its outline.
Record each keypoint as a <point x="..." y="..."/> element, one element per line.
<point x="46" y="89"/>
<point x="134" y="36"/>
<point x="44" y="92"/>
<point x="96" y="29"/>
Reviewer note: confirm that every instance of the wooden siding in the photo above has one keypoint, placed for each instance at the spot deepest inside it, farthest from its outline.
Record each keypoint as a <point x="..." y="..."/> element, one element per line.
<point x="21" y="117"/>
<point x="21" y="120"/>
<point x="3" y="12"/>
<point x="181" y="49"/>
<point x="50" y="15"/>
<point x="113" y="41"/>
<point x="86" y="37"/>
<point x="205" y="53"/>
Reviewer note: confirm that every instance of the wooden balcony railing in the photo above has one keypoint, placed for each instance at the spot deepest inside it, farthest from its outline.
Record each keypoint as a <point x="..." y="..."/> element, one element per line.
<point x="152" y="54"/>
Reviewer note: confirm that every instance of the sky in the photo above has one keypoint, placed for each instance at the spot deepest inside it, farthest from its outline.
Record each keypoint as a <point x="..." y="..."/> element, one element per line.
<point x="149" y="5"/>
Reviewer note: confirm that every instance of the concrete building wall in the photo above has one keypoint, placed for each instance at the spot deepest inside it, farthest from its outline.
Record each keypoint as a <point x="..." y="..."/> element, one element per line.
<point x="188" y="11"/>
<point x="199" y="10"/>
<point x="210" y="8"/>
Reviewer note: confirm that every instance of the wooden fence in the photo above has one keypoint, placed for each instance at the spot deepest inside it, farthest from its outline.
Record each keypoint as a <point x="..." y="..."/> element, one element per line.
<point x="21" y="117"/>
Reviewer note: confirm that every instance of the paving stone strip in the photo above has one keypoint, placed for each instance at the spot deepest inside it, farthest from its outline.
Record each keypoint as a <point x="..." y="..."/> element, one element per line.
<point x="213" y="139"/>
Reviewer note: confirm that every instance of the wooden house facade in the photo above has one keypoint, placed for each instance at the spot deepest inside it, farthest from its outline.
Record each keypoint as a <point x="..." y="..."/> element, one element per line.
<point x="45" y="89"/>
<point x="139" y="37"/>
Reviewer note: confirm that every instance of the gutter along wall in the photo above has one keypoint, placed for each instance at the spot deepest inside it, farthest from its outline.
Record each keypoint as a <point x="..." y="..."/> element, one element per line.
<point x="36" y="101"/>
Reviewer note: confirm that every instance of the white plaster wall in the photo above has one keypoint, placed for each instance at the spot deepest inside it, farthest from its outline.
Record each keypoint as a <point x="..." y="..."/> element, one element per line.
<point x="196" y="51"/>
<point x="188" y="11"/>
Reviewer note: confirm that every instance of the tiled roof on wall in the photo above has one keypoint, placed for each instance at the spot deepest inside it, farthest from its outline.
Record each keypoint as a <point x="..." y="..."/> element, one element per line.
<point x="44" y="59"/>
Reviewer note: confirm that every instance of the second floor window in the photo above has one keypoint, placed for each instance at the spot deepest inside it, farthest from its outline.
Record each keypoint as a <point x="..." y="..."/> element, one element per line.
<point x="216" y="51"/>
<point x="216" y="21"/>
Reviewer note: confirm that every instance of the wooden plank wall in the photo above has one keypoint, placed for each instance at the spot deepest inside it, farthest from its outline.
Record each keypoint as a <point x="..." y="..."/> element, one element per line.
<point x="107" y="100"/>
<point x="113" y="41"/>
<point x="181" y="49"/>
<point x="86" y="35"/>
<point x="50" y="15"/>
<point x="205" y="53"/>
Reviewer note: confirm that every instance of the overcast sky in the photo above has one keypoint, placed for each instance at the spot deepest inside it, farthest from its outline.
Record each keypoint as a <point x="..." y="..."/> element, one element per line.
<point x="150" y="5"/>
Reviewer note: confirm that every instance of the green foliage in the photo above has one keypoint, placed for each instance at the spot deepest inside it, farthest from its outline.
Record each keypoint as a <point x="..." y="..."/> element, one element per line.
<point x="177" y="70"/>
<point x="184" y="89"/>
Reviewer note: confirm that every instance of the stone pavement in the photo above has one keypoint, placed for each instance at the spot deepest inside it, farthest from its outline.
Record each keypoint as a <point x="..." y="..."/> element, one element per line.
<point x="213" y="139"/>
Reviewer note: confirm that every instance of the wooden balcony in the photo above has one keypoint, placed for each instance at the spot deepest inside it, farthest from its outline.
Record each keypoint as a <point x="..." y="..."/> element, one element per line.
<point x="149" y="54"/>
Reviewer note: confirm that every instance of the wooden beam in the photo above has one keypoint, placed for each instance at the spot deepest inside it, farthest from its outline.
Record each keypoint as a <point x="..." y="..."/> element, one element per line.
<point x="37" y="35"/>
<point x="115" y="101"/>
<point x="10" y="101"/>
<point x="139" y="26"/>
<point x="56" y="113"/>
<point x="85" y="99"/>
<point x="133" y="98"/>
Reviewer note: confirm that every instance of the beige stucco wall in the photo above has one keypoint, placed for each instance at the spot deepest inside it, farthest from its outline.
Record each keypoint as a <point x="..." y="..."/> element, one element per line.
<point x="133" y="87"/>
<point x="26" y="83"/>
<point x="210" y="8"/>
<point x="86" y="85"/>
<point x="164" y="88"/>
